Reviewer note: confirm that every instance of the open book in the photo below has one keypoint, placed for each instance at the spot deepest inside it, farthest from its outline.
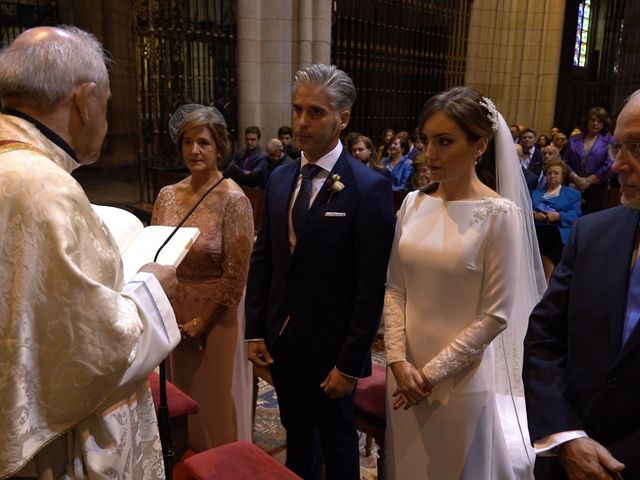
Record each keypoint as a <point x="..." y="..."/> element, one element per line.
<point x="138" y="244"/>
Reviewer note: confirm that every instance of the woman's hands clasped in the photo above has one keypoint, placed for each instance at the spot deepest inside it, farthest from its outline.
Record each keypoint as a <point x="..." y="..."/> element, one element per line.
<point x="412" y="386"/>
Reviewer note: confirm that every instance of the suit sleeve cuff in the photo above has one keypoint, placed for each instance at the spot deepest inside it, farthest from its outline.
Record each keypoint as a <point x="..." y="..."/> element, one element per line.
<point x="548" y="446"/>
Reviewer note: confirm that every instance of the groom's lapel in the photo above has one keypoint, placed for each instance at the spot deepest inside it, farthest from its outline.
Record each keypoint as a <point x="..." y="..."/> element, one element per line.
<point x="320" y="204"/>
<point x="286" y="184"/>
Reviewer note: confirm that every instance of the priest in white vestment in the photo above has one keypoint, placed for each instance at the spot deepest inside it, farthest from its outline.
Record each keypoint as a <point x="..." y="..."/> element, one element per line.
<point x="76" y="343"/>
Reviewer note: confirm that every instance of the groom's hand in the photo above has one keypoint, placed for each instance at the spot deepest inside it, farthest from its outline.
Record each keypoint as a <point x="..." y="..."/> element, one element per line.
<point x="585" y="459"/>
<point x="258" y="354"/>
<point x="336" y="385"/>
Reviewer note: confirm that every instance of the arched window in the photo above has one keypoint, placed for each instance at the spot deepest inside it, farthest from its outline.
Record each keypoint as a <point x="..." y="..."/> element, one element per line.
<point x="582" y="34"/>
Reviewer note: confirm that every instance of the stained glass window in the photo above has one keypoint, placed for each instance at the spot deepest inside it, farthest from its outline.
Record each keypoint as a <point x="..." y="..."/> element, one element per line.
<point x="582" y="34"/>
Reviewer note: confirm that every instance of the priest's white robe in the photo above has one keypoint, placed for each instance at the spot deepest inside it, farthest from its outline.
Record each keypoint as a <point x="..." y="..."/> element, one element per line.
<point x="76" y="344"/>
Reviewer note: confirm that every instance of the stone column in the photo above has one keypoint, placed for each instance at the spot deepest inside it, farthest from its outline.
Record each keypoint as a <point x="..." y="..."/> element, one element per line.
<point x="513" y="56"/>
<point x="274" y="39"/>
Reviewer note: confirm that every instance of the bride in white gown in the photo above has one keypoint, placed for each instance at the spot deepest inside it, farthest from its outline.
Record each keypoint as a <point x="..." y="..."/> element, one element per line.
<point x="464" y="274"/>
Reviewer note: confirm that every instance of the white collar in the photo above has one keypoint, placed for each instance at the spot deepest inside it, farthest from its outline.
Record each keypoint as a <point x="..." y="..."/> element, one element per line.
<point x="326" y="162"/>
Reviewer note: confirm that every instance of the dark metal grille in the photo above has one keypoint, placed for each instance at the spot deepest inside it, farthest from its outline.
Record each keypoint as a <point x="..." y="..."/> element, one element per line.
<point x="17" y="16"/>
<point x="579" y="89"/>
<point x="399" y="53"/>
<point x="185" y="52"/>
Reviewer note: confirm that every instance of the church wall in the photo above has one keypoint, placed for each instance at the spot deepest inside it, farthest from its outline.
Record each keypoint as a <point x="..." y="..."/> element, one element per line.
<point x="275" y="38"/>
<point x="513" y="56"/>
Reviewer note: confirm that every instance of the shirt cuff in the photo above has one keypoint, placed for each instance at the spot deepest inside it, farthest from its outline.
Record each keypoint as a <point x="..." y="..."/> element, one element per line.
<point x="548" y="446"/>
<point x="345" y="375"/>
<point x="254" y="339"/>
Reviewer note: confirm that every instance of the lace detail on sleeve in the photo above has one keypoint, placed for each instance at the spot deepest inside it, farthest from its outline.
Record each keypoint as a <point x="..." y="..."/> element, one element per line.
<point x="237" y="232"/>
<point x="395" y="297"/>
<point x="395" y="337"/>
<point x="464" y="351"/>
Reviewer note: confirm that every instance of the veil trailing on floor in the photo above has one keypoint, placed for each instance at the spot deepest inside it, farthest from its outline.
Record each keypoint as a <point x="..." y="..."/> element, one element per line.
<point x="531" y="285"/>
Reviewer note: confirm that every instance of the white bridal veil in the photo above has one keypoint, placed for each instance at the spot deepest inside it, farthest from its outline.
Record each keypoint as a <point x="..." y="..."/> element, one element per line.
<point x="531" y="285"/>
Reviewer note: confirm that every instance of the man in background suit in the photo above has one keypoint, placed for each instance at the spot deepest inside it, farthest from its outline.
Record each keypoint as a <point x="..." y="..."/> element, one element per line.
<point x="247" y="160"/>
<point x="316" y="280"/>
<point x="582" y="350"/>
<point x="532" y="158"/>
<point x="530" y="178"/>
<point x="274" y="158"/>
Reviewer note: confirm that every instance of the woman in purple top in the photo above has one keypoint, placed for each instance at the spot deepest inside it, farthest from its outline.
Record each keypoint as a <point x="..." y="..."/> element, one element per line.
<point x="588" y="160"/>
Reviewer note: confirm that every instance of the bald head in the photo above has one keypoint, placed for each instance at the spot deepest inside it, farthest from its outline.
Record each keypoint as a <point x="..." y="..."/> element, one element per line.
<point x="550" y="152"/>
<point x="274" y="149"/>
<point x="43" y="65"/>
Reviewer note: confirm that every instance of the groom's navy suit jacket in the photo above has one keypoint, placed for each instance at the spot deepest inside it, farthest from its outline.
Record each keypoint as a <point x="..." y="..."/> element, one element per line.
<point x="330" y="289"/>
<point x="577" y="374"/>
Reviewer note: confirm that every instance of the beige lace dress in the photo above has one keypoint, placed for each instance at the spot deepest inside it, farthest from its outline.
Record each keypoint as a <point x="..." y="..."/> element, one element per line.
<point x="214" y="270"/>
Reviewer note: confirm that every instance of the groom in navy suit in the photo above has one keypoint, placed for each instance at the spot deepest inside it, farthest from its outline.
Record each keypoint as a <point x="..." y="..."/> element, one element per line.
<point x="582" y="350"/>
<point x="316" y="280"/>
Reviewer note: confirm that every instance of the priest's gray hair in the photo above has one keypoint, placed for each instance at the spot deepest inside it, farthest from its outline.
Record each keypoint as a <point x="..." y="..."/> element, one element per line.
<point x="338" y="84"/>
<point x="45" y="72"/>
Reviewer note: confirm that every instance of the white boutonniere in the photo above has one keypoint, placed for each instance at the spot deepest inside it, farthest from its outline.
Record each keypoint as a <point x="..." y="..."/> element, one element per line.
<point x="335" y="185"/>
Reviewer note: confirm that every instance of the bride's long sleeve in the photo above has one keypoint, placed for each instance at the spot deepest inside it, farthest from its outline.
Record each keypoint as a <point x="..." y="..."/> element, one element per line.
<point x="495" y="301"/>
<point x="394" y="302"/>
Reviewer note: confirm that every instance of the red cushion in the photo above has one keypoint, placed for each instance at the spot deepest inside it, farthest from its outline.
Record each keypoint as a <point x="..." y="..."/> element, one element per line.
<point x="179" y="472"/>
<point x="238" y="460"/>
<point x="370" y="396"/>
<point x="179" y="403"/>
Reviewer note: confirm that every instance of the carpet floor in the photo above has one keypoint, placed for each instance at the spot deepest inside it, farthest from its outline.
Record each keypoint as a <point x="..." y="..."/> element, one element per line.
<point x="269" y="433"/>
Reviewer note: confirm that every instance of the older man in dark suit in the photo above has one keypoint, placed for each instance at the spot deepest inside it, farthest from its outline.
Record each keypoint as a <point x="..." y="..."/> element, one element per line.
<point x="582" y="350"/>
<point x="316" y="280"/>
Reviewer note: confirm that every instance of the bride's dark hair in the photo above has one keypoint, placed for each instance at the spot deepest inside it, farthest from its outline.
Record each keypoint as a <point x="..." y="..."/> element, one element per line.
<point x="462" y="105"/>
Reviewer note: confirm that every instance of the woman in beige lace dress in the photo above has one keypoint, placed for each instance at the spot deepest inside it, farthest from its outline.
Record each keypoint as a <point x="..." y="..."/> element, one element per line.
<point x="212" y="276"/>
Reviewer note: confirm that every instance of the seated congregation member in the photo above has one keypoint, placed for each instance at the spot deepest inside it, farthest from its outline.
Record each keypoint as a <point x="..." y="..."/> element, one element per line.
<point x="532" y="158"/>
<point x="588" y="160"/>
<point x="529" y="177"/>
<point x="285" y="135"/>
<point x="211" y="278"/>
<point x="582" y="349"/>
<point x="421" y="174"/>
<point x="416" y="144"/>
<point x="461" y="282"/>
<point x="400" y="166"/>
<point x="247" y="160"/>
<point x="76" y="343"/>
<point x="348" y="140"/>
<point x="542" y="141"/>
<point x="385" y="140"/>
<point x="550" y="152"/>
<point x="362" y="150"/>
<point x="515" y="133"/>
<point x="560" y="141"/>
<point x="555" y="208"/>
<point x="274" y="158"/>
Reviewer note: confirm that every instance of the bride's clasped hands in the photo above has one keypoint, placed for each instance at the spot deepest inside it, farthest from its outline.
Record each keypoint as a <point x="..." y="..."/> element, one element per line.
<point x="412" y="386"/>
